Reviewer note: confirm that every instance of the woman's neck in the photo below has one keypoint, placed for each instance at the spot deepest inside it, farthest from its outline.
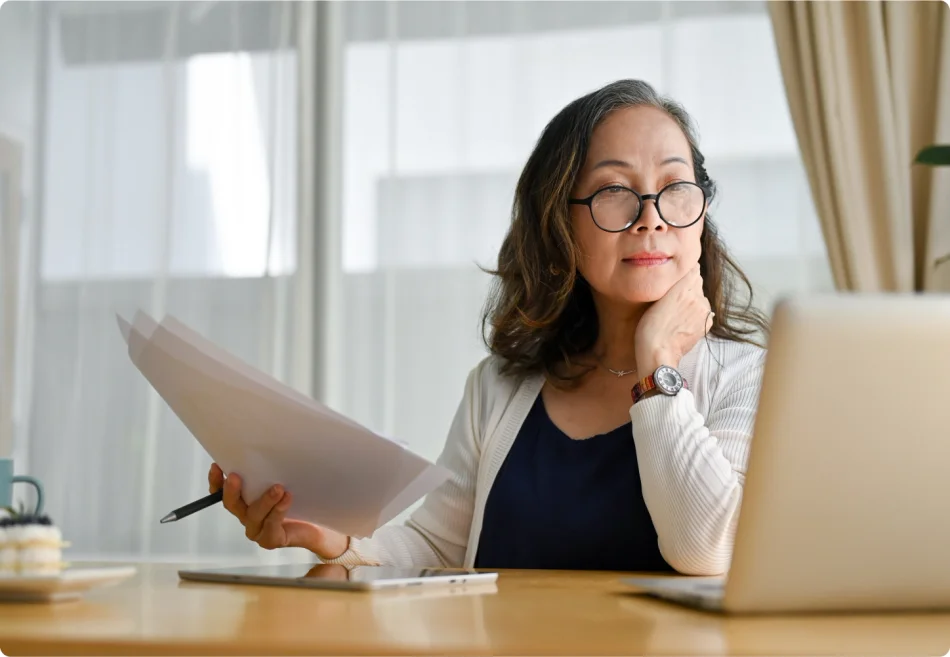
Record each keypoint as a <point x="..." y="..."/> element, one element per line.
<point x="616" y="337"/>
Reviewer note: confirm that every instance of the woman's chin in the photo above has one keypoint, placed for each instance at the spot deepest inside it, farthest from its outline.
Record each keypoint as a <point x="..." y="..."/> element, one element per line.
<point x="644" y="285"/>
<point x="640" y="300"/>
<point x="632" y="290"/>
<point x="644" y="294"/>
<point x="628" y="299"/>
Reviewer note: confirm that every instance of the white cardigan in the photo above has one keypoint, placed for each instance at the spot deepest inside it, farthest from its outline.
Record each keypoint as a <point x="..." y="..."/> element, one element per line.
<point x="692" y="451"/>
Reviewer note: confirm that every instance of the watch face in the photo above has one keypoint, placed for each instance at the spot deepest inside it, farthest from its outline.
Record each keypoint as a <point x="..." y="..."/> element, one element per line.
<point x="668" y="380"/>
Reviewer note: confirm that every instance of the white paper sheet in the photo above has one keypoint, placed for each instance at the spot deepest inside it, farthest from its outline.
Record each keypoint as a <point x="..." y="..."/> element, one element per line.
<point x="342" y="475"/>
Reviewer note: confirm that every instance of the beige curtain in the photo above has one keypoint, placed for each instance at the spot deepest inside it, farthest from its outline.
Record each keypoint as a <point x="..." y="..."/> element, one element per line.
<point x="868" y="85"/>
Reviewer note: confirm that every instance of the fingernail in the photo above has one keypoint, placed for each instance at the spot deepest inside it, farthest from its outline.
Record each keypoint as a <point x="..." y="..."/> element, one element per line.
<point x="275" y="492"/>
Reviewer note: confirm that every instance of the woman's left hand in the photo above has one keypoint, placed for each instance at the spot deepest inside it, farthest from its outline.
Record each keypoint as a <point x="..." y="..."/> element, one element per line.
<point x="673" y="324"/>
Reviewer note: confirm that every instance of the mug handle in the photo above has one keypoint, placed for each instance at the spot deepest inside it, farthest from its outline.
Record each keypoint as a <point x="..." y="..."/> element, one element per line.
<point x="24" y="479"/>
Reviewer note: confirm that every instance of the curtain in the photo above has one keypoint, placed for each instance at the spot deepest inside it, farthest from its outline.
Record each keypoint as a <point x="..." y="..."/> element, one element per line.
<point x="166" y="153"/>
<point x="868" y="84"/>
<point x="18" y="43"/>
<point x="10" y="216"/>
<point x="442" y="103"/>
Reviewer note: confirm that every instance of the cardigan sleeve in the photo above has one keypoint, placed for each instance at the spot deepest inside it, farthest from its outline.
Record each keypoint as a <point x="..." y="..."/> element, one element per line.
<point x="692" y="468"/>
<point x="436" y="534"/>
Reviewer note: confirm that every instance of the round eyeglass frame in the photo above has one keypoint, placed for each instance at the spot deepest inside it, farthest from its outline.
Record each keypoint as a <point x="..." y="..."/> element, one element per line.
<point x="588" y="201"/>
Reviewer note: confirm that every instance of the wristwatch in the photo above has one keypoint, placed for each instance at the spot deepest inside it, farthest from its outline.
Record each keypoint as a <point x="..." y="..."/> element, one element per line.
<point x="665" y="380"/>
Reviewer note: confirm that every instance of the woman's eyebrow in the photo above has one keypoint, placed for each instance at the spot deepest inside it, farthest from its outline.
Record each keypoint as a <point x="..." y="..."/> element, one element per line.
<point x="612" y="163"/>
<point x="674" y="159"/>
<point x="626" y="165"/>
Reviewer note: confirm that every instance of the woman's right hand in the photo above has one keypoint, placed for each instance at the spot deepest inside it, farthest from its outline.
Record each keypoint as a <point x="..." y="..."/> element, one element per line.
<point x="265" y="522"/>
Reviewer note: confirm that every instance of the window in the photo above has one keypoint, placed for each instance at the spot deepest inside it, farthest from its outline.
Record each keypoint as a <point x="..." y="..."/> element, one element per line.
<point x="168" y="183"/>
<point x="185" y="163"/>
<point x="442" y="105"/>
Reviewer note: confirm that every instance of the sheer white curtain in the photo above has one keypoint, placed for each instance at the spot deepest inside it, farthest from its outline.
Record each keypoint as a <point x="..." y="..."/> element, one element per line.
<point x="164" y="136"/>
<point x="10" y="217"/>
<point x="18" y="43"/>
<point x="442" y="104"/>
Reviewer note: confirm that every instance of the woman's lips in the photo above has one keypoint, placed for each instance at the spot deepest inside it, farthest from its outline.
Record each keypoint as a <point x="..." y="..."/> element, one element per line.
<point x="651" y="260"/>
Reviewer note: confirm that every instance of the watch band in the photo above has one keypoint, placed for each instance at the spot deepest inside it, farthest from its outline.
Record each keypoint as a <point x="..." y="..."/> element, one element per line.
<point x="642" y="387"/>
<point x="646" y="394"/>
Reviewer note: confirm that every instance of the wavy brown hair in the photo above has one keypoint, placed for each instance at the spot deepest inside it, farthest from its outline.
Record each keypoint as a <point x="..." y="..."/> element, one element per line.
<point x="540" y="316"/>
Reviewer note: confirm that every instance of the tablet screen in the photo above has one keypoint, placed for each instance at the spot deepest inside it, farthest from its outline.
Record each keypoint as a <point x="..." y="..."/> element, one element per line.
<point x="338" y="573"/>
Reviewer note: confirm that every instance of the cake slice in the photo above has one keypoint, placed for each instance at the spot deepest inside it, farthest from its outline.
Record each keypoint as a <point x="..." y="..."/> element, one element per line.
<point x="8" y="549"/>
<point x="30" y="544"/>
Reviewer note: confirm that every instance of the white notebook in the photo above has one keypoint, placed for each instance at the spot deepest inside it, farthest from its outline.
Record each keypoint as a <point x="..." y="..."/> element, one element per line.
<point x="342" y="475"/>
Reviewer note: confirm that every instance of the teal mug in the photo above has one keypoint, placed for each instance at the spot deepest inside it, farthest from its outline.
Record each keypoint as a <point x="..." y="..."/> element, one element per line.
<point x="7" y="479"/>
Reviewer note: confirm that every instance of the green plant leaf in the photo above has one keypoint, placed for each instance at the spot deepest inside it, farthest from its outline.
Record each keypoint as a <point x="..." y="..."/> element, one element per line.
<point x="936" y="155"/>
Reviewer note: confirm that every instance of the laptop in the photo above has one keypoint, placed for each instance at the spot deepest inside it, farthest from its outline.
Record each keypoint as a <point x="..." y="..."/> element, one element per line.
<point x="846" y="502"/>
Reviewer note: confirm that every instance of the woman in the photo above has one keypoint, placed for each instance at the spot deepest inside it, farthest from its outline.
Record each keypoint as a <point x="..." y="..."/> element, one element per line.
<point x="610" y="427"/>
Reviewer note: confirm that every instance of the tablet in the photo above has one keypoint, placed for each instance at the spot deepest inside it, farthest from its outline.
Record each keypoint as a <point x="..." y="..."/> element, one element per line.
<point x="331" y="576"/>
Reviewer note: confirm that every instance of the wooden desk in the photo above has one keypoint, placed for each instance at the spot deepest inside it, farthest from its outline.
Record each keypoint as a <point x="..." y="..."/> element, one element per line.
<point x="528" y="613"/>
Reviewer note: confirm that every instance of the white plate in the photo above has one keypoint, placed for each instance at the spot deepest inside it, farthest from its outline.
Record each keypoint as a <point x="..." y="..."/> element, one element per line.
<point x="69" y="584"/>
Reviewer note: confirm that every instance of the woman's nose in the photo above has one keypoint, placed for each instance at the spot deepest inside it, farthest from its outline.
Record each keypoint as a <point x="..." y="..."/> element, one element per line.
<point x="649" y="218"/>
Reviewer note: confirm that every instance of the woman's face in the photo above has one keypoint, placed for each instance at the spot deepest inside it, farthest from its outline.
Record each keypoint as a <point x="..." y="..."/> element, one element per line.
<point x="641" y="148"/>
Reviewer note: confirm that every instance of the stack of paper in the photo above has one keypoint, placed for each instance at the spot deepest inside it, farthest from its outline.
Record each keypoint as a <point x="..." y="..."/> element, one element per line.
<point x="341" y="475"/>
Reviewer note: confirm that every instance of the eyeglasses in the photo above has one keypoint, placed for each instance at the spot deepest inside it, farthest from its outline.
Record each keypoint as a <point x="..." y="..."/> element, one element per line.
<point x="616" y="208"/>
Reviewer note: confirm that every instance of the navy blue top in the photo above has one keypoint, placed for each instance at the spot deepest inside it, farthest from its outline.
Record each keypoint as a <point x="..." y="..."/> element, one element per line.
<point x="568" y="504"/>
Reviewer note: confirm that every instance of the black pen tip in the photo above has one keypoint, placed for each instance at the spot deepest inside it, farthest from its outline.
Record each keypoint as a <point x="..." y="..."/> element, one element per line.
<point x="168" y="518"/>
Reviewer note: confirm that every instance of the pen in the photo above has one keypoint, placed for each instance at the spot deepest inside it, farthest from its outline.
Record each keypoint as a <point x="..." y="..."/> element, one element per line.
<point x="192" y="507"/>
